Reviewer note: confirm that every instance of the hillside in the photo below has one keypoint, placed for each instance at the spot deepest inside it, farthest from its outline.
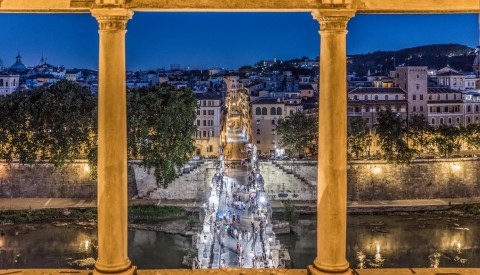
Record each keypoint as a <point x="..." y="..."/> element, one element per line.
<point x="459" y="57"/>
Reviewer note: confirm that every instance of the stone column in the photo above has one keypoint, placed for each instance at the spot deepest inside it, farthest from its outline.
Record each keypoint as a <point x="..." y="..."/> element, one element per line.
<point x="332" y="145"/>
<point x="112" y="143"/>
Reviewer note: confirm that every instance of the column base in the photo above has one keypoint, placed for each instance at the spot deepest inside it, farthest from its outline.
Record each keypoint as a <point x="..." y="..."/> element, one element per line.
<point x="130" y="271"/>
<point x="312" y="270"/>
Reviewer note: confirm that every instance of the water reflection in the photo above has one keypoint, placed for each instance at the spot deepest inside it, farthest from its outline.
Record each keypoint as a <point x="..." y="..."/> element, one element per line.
<point x="65" y="247"/>
<point x="372" y="242"/>
<point x="399" y="241"/>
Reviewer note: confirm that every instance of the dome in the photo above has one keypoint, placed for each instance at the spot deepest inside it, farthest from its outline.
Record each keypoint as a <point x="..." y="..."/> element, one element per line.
<point x="18" y="66"/>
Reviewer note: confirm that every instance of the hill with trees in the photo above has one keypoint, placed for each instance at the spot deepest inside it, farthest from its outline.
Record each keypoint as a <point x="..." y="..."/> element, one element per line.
<point x="459" y="57"/>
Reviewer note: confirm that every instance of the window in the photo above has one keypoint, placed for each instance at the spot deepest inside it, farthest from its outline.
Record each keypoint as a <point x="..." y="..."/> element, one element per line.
<point x="396" y="97"/>
<point x="433" y="121"/>
<point x="258" y="141"/>
<point x="421" y="108"/>
<point x="198" y="122"/>
<point x="204" y="123"/>
<point x="273" y="121"/>
<point x="210" y="148"/>
<point x="211" y="112"/>
<point x="414" y="97"/>
<point x="376" y="97"/>
<point x="469" y="119"/>
<point x="198" y="112"/>
<point x="414" y="108"/>
<point x="446" y="97"/>
<point x="386" y="97"/>
<point x="258" y="111"/>
<point x="273" y="111"/>
<point x="279" y="111"/>
<point x="367" y="109"/>
<point x="445" y="109"/>
<point x="476" y="108"/>
<point x="441" y="121"/>
<point x="258" y="131"/>
<point x="455" y="96"/>
<point x="418" y="76"/>
<point x="458" y="120"/>
<point x="355" y="97"/>
<point x="357" y="109"/>
<point x="421" y="97"/>
<point x="449" y="120"/>
<point x="1" y="82"/>
<point x="204" y="112"/>
<point x="365" y="97"/>
<point x="418" y="86"/>
<point x="204" y="103"/>
<point x="469" y="108"/>
<point x="429" y="97"/>
<point x="204" y="134"/>
<point x="264" y="111"/>
<point x="258" y="121"/>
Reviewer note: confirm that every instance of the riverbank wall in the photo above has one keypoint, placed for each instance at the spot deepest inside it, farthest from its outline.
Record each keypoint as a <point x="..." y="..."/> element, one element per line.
<point x="75" y="181"/>
<point x="284" y="180"/>
<point x="378" y="180"/>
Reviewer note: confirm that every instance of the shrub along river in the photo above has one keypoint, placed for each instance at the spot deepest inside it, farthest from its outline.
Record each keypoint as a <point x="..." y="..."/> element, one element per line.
<point x="414" y="240"/>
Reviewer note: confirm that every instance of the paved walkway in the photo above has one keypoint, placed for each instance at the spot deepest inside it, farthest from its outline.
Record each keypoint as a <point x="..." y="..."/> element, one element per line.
<point x="250" y="241"/>
<point x="353" y="206"/>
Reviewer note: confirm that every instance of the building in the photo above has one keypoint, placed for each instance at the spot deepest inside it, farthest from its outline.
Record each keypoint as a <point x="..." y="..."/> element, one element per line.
<point x="414" y="81"/>
<point x="452" y="79"/>
<point x="209" y="124"/>
<point x="445" y="106"/>
<point x="366" y="103"/>
<point x="265" y="115"/>
<point x="8" y="83"/>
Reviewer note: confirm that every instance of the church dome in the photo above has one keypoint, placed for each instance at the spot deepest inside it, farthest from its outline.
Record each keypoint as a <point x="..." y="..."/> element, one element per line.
<point x="18" y="66"/>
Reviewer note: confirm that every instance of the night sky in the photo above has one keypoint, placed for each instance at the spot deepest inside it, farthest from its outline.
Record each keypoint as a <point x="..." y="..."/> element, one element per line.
<point x="206" y="40"/>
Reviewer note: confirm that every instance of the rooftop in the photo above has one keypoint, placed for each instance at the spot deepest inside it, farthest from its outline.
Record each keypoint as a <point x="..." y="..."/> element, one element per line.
<point x="374" y="90"/>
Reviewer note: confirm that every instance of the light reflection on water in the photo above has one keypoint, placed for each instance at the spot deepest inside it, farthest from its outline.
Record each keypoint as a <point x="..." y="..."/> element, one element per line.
<point x="372" y="242"/>
<point x="397" y="241"/>
<point x="73" y="247"/>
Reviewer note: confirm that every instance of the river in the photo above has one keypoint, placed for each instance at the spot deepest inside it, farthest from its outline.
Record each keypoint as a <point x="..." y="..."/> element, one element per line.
<point x="420" y="240"/>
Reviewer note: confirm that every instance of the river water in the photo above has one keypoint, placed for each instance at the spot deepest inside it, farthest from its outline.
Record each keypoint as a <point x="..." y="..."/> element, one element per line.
<point x="418" y="240"/>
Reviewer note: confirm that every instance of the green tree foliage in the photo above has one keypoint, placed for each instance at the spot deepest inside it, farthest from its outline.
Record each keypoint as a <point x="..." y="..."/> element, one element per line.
<point x="161" y="129"/>
<point x="58" y="125"/>
<point x="447" y="138"/>
<point x="299" y="133"/>
<point x="53" y="124"/>
<point x="471" y="136"/>
<point x="290" y="213"/>
<point x="420" y="134"/>
<point x="358" y="137"/>
<point x="392" y="134"/>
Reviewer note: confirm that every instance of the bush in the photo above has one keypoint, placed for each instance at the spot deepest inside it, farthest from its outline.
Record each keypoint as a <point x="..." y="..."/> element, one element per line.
<point x="290" y="214"/>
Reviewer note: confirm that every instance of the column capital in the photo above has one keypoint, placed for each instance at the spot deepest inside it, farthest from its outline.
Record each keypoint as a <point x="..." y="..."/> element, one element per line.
<point x="333" y="20"/>
<point x="111" y="19"/>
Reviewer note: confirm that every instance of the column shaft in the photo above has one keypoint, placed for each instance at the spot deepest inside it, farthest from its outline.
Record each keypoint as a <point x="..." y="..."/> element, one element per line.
<point x="332" y="149"/>
<point x="112" y="144"/>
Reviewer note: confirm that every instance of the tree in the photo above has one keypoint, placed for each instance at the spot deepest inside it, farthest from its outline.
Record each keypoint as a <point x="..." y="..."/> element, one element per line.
<point x="420" y="134"/>
<point x="392" y="134"/>
<point x="471" y="136"/>
<point x="299" y="133"/>
<point x="161" y="129"/>
<point x="358" y="137"/>
<point x="53" y="124"/>
<point x="447" y="139"/>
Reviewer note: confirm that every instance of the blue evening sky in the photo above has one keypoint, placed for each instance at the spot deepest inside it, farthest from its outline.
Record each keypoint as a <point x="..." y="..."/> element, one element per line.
<point x="206" y="40"/>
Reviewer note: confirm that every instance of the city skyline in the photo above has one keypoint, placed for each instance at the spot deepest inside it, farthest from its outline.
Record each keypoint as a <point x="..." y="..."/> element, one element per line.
<point x="227" y="40"/>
